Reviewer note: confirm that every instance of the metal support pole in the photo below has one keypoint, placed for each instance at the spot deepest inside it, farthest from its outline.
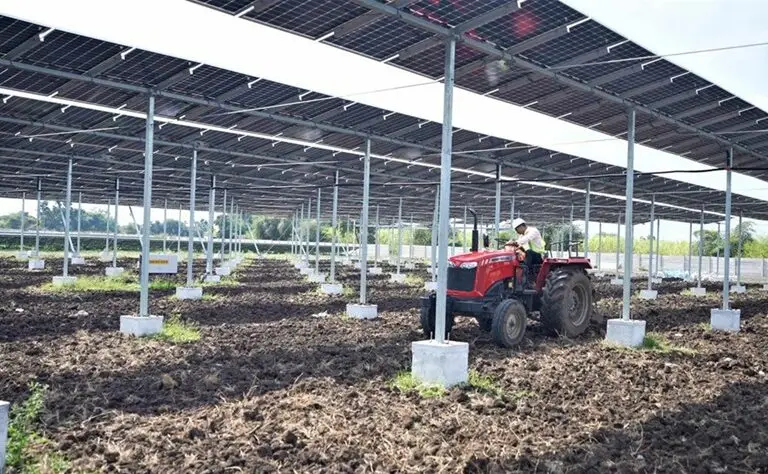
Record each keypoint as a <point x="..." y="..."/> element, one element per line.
<point x="334" y="226"/>
<point x="23" y="218"/>
<point x="178" y="232"/>
<point x="165" y="226"/>
<point x="299" y="232"/>
<point x="658" y="245"/>
<point x="512" y="211"/>
<point x="114" y="231"/>
<point x="191" y="230"/>
<point x="79" y="220"/>
<point x="570" y="229"/>
<point x="600" y="245"/>
<point x="109" y="215"/>
<point x="433" y="259"/>
<point x="586" y="219"/>
<point x="223" y="226"/>
<point x="650" y="246"/>
<point x="308" y="232"/>
<point x="413" y="237"/>
<point x="497" y="213"/>
<point x="727" y="243"/>
<point x="232" y="223"/>
<point x="39" y="218"/>
<point x="690" y="248"/>
<point x="741" y="244"/>
<point x="317" y="235"/>
<point x="67" y="215"/>
<point x="211" y="217"/>
<point x="628" y="228"/>
<point x="701" y="243"/>
<point x="717" y="258"/>
<point x="445" y="191"/>
<point x="618" y="244"/>
<point x="399" y="233"/>
<point x="376" y="258"/>
<point x="364" y="224"/>
<point x="149" y="150"/>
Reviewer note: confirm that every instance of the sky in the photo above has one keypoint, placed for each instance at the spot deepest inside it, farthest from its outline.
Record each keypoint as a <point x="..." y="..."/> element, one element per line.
<point x="205" y="36"/>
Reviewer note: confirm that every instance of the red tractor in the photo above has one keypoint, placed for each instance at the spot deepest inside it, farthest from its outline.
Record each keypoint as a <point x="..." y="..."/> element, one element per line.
<point x="497" y="289"/>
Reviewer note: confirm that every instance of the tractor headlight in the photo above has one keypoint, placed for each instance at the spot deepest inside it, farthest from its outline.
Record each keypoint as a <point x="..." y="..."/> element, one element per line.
<point x="468" y="265"/>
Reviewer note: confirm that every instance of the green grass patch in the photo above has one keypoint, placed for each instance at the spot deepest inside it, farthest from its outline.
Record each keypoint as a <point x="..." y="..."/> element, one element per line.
<point x="704" y="326"/>
<point x="95" y="283"/>
<point x="27" y="451"/>
<point x="655" y="342"/>
<point x="415" y="280"/>
<point x="484" y="383"/>
<point x="405" y="382"/>
<point x="177" y="331"/>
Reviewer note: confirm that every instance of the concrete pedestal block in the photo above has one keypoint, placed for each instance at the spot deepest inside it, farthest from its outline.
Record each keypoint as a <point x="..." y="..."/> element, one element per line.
<point x="301" y="264"/>
<point x="332" y="288"/>
<point x="738" y="289"/>
<point x="410" y="266"/>
<point x="375" y="271"/>
<point x="649" y="294"/>
<point x="78" y="261"/>
<point x="765" y="287"/>
<point x="600" y="274"/>
<point x="114" y="271"/>
<point x="223" y="271"/>
<point x="362" y="311"/>
<point x="316" y="277"/>
<point x="106" y="256"/>
<point x="356" y="265"/>
<point x="64" y="280"/>
<point x="625" y="333"/>
<point x="36" y="264"/>
<point x="397" y="277"/>
<point x="656" y="281"/>
<point x="306" y="270"/>
<point x="431" y="272"/>
<point x="189" y="293"/>
<point x="213" y="278"/>
<point x="725" y="320"/>
<point x="141" y="326"/>
<point x="696" y="291"/>
<point x="617" y="281"/>
<point x="445" y="364"/>
<point x="22" y="255"/>
<point x="430" y="286"/>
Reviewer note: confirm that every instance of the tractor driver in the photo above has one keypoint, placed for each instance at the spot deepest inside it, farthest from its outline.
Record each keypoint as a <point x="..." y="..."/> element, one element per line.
<point x="530" y="239"/>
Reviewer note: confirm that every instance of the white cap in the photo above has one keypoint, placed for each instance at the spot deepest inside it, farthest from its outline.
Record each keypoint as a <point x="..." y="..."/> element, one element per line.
<point x="517" y="223"/>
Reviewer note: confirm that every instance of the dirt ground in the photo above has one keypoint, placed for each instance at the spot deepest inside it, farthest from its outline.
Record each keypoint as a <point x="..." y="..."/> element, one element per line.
<point x="281" y="382"/>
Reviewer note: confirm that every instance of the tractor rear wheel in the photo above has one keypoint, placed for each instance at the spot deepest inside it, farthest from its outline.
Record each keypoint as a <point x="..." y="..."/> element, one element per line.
<point x="427" y="320"/>
<point x="508" y="325"/>
<point x="567" y="302"/>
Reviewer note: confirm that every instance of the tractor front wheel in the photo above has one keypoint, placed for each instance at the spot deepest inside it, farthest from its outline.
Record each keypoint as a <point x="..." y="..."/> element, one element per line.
<point x="567" y="302"/>
<point x="508" y="325"/>
<point x="427" y="320"/>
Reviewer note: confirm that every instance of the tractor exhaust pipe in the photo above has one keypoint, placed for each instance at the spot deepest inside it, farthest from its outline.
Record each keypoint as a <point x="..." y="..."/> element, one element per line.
<point x="475" y="235"/>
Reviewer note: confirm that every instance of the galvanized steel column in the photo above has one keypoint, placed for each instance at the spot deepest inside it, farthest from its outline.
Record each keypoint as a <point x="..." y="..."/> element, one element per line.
<point x="39" y="217"/>
<point x="334" y="225"/>
<point x="586" y="219"/>
<point x="149" y="150"/>
<point x="191" y="231"/>
<point x="727" y="249"/>
<point x="464" y="232"/>
<point x="445" y="191"/>
<point x="650" y="244"/>
<point x="114" y="231"/>
<point x="433" y="260"/>
<point x="497" y="213"/>
<point x="211" y="217"/>
<point x="376" y="239"/>
<point x="738" y="258"/>
<point x="364" y="224"/>
<point x="701" y="243"/>
<point x="165" y="225"/>
<point x="178" y="232"/>
<point x="79" y="219"/>
<point x="23" y="220"/>
<point x="317" y="235"/>
<point x="223" y="226"/>
<point x="628" y="227"/>
<point x="399" y="232"/>
<point x="67" y="216"/>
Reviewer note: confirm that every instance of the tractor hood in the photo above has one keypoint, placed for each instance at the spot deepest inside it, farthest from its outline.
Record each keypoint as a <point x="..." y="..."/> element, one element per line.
<point x="472" y="259"/>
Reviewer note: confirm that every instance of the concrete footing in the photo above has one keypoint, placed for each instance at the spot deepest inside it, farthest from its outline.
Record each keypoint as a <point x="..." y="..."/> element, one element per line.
<point x="332" y="288"/>
<point x="430" y="286"/>
<point x="301" y="265"/>
<point x="397" y="277"/>
<point x="78" y="261"/>
<point x="36" y="264"/>
<point x="189" y="292"/>
<point x="696" y="291"/>
<point x="114" y="271"/>
<point x="362" y="311"/>
<point x="765" y="287"/>
<point x="627" y="333"/>
<point x="316" y="277"/>
<point x="445" y="364"/>
<point x="617" y="281"/>
<point x="375" y="271"/>
<point x="141" y="326"/>
<point x="725" y="320"/>
<point x="738" y="289"/>
<point x="223" y="271"/>
<point x="106" y="256"/>
<point x="306" y="270"/>
<point x="22" y="255"/>
<point x="213" y="278"/>
<point x="657" y="281"/>
<point x="64" y="280"/>
<point x="410" y="266"/>
<point x="649" y="294"/>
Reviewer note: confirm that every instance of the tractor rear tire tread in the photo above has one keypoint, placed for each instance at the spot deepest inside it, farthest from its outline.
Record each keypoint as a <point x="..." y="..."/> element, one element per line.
<point x="554" y="313"/>
<point x="427" y="320"/>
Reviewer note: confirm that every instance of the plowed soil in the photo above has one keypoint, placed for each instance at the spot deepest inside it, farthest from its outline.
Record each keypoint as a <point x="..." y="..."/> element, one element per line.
<point x="282" y="382"/>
